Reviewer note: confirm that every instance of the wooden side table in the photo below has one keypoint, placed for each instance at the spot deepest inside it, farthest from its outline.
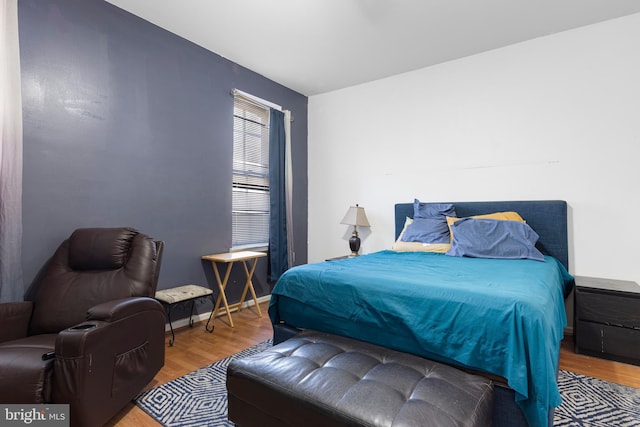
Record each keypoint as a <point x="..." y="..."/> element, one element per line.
<point x="230" y="258"/>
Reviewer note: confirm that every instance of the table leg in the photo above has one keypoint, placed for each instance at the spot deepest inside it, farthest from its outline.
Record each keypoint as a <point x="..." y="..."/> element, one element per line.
<point x="173" y="335"/>
<point x="206" y="327"/>
<point x="193" y="303"/>
<point x="222" y="284"/>
<point x="249" y="286"/>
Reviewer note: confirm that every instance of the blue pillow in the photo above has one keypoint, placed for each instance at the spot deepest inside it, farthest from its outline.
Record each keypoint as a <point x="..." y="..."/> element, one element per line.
<point x="427" y="230"/>
<point x="491" y="238"/>
<point x="432" y="210"/>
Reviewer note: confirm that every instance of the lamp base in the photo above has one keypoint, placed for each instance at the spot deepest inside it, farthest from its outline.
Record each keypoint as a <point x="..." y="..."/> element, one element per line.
<point x="354" y="244"/>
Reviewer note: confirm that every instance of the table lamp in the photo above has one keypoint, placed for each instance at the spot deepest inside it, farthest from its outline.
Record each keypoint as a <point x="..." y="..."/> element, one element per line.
<point x="355" y="216"/>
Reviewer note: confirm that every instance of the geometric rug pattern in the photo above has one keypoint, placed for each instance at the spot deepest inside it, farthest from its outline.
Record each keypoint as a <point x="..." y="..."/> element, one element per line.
<point x="591" y="402"/>
<point x="199" y="399"/>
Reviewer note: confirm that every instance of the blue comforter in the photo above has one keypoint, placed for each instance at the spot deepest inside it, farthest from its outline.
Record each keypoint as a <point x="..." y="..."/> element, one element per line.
<point x="504" y="317"/>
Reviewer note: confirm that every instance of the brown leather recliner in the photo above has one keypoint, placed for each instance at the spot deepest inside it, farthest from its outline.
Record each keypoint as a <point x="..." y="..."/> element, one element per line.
<point x="91" y="337"/>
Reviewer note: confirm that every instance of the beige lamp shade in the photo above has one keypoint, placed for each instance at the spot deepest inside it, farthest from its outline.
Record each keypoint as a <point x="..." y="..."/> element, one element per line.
<point x="356" y="216"/>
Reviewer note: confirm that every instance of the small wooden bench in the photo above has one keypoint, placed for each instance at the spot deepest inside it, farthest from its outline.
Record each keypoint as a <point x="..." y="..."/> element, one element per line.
<point x="170" y="298"/>
<point x="323" y="380"/>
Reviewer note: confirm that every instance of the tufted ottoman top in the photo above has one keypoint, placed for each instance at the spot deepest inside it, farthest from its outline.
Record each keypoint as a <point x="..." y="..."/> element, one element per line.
<point x="322" y="379"/>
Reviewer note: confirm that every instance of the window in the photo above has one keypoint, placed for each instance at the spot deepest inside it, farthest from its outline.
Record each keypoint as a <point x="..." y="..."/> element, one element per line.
<point x="250" y="193"/>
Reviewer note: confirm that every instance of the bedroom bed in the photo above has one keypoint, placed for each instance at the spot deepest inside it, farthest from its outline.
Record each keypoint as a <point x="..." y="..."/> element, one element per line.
<point x="500" y="317"/>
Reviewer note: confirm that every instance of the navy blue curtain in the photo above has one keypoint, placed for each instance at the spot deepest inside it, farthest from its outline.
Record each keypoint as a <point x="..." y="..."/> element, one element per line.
<point x="278" y="261"/>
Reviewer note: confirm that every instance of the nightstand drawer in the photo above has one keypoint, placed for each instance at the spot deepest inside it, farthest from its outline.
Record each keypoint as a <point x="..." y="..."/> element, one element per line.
<point x="618" y="310"/>
<point x="608" y="341"/>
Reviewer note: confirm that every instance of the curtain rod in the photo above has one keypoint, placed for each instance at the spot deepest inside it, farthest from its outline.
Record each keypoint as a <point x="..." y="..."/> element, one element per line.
<point x="262" y="102"/>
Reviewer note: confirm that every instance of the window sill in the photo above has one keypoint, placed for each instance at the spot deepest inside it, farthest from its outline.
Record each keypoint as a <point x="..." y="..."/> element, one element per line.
<point x="260" y="248"/>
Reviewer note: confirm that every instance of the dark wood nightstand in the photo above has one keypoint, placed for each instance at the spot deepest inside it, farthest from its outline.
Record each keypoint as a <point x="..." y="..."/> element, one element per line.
<point x="607" y="319"/>
<point x="338" y="257"/>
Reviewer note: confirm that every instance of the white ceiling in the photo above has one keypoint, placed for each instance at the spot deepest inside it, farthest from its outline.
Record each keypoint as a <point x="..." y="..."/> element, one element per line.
<point x="316" y="46"/>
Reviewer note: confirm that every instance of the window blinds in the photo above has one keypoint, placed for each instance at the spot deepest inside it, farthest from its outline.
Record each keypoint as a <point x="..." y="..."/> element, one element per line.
<point x="250" y="193"/>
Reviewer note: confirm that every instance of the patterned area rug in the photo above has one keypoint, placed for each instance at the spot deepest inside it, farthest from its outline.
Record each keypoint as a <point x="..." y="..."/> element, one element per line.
<point x="199" y="399"/>
<point x="591" y="402"/>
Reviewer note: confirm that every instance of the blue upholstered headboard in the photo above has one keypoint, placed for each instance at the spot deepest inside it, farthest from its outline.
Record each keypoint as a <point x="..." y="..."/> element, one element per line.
<point x="547" y="217"/>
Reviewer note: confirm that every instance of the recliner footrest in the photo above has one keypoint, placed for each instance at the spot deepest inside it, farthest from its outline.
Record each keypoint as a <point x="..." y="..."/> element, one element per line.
<point x="319" y="379"/>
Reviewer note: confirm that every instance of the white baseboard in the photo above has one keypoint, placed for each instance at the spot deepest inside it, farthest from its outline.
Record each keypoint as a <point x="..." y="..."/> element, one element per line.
<point x="205" y="316"/>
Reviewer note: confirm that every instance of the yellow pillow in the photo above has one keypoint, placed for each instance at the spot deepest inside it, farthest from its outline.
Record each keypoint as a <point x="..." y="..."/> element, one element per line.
<point x="503" y="216"/>
<point x="400" y="246"/>
<point x="420" y="247"/>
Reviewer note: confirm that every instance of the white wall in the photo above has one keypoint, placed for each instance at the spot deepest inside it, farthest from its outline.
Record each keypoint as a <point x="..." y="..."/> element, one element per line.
<point x="553" y="118"/>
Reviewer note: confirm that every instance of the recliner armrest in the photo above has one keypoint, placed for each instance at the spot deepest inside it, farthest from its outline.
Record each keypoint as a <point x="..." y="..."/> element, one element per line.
<point x="15" y="318"/>
<point x="118" y="309"/>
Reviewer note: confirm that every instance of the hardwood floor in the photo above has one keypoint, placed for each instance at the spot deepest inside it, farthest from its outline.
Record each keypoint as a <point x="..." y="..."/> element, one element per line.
<point x="194" y="348"/>
<point x="616" y="372"/>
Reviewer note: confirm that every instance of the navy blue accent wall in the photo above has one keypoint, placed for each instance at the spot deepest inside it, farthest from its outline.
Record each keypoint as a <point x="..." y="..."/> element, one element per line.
<point x="126" y="124"/>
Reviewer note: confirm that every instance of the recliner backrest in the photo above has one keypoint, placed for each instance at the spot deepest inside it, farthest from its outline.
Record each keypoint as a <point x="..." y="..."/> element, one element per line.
<point x="93" y="266"/>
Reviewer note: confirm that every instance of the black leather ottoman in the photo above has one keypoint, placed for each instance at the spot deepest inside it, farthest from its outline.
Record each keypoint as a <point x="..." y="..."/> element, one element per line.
<point x="318" y="379"/>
